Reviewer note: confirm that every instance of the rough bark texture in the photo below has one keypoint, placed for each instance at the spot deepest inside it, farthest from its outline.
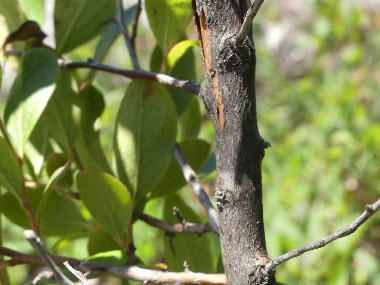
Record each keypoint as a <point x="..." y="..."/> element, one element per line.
<point x="229" y="95"/>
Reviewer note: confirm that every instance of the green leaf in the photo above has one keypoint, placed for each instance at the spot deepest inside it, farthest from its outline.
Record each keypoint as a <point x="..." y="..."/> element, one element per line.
<point x="181" y="64"/>
<point x="88" y="146"/>
<point x="108" y="37"/>
<point x="78" y="21"/>
<point x="53" y="180"/>
<point x="197" y="251"/>
<point x="10" y="172"/>
<point x="113" y="257"/>
<point x="196" y="152"/>
<point x="1" y="76"/>
<point x="62" y="114"/>
<point x="145" y="132"/>
<point x="34" y="9"/>
<point x="11" y="207"/>
<point x="156" y="59"/>
<point x="168" y="20"/>
<point x="30" y="94"/>
<point x="191" y="121"/>
<point x="108" y="201"/>
<point x="100" y="241"/>
<point x="61" y="216"/>
<point x="12" y="14"/>
<point x="38" y="147"/>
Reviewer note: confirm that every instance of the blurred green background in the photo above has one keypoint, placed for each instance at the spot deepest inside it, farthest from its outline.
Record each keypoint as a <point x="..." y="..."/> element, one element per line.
<point x="318" y="94"/>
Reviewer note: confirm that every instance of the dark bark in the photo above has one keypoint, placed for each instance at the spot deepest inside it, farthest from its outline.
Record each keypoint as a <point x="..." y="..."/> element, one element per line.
<point x="229" y="95"/>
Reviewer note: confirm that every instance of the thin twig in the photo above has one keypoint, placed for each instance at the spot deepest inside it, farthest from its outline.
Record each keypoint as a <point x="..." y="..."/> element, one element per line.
<point x="42" y="275"/>
<point x="124" y="32"/>
<point x="176" y="228"/>
<point x="351" y="228"/>
<point x="135" y="24"/>
<point x="36" y="242"/>
<point x="193" y="181"/>
<point x="251" y="13"/>
<point x="186" y="85"/>
<point x="127" y="272"/>
<point x="81" y="277"/>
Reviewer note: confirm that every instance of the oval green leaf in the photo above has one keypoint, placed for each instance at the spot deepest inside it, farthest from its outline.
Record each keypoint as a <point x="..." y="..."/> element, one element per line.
<point x="168" y="20"/>
<point x="30" y="94"/>
<point x="108" y="201"/>
<point x="62" y="114"/>
<point x="145" y="132"/>
<point x="61" y="216"/>
<point x="180" y="63"/>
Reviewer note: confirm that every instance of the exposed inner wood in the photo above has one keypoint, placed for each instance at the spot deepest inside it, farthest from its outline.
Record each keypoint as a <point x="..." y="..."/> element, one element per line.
<point x="205" y="42"/>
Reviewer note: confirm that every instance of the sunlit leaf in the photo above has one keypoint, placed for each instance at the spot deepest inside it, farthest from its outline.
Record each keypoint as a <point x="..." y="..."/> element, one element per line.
<point x="168" y="20"/>
<point x="30" y="94"/>
<point x="113" y="257"/>
<point x="190" y="121"/>
<point x="180" y="63"/>
<point x="12" y="13"/>
<point x="144" y="136"/>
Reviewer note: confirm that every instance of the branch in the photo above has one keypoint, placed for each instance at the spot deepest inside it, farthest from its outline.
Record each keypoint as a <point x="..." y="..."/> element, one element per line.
<point x="127" y="272"/>
<point x="124" y="31"/>
<point x="351" y="228"/>
<point x="193" y="181"/>
<point x="36" y="242"/>
<point x="176" y="228"/>
<point x="135" y="24"/>
<point x="186" y="85"/>
<point x="251" y="13"/>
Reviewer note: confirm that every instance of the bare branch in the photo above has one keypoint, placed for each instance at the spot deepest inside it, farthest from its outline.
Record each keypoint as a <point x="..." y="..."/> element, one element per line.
<point x="36" y="242"/>
<point x="127" y="272"/>
<point x="351" y="228"/>
<point x="124" y="31"/>
<point x="176" y="228"/>
<point x="251" y="13"/>
<point x="186" y="85"/>
<point x="135" y="24"/>
<point x="81" y="277"/>
<point x="193" y="181"/>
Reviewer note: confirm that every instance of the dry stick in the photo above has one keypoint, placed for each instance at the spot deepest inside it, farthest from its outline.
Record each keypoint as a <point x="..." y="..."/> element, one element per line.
<point x="36" y="242"/>
<point x="176" y="228"/>
<point x="81" y="277"/>
<point x="193" y="181"/>
<point x="124" y="32"/>
<point x="251" y="13"/>
<point x="187" y="85"/>
<point x="135" y="24"/>
<point x="127" y="272"/>
<point x="351" y="228"/>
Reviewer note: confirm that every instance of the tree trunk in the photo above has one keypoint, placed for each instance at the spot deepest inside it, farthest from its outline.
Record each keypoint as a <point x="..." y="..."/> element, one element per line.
<point x="229" y="96"/>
